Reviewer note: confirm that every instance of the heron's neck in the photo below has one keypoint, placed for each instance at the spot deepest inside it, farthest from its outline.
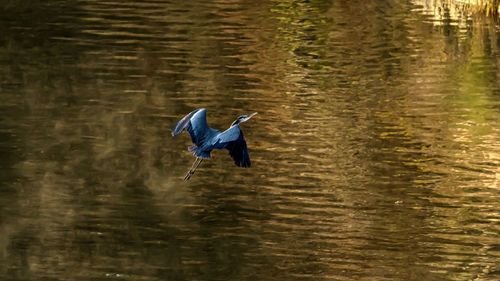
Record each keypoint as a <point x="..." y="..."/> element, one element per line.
<point x="236" y="122"/>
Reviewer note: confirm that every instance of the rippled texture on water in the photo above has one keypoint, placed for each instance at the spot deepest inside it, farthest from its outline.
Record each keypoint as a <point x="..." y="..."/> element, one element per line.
<point x="376" y="151"/>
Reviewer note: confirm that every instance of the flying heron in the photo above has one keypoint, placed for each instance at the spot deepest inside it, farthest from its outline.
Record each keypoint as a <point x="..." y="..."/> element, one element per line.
<point x="206" y="139"/>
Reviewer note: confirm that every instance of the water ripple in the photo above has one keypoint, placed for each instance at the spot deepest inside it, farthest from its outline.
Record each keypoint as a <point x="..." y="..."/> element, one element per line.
<point x="374" y="154"/>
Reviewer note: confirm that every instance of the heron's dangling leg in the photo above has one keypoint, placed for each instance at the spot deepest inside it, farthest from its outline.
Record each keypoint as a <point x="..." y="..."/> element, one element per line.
<point x="193" y="168"/>
<point x="194" y="164"/>
<point x="191" y="171"/>
<point x="188" y="174"/>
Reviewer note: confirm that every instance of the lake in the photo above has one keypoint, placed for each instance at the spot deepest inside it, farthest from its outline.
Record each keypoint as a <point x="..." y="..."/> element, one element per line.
<point x="375" y="153"/>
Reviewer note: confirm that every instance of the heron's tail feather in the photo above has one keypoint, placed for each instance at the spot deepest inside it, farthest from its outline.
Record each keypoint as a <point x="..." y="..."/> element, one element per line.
<point x="198" y="152"/>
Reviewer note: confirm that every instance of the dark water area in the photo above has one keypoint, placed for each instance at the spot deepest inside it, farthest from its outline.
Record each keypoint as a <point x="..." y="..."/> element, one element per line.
<point x="375" y="153"/>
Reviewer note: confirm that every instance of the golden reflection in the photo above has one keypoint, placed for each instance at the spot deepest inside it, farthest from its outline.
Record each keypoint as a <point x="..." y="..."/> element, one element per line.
<point x="375" y="152"/>
<point x="458" y="11"/>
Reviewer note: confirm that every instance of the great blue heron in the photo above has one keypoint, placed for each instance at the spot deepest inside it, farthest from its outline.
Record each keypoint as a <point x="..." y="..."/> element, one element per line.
<point x="206" y="139"/>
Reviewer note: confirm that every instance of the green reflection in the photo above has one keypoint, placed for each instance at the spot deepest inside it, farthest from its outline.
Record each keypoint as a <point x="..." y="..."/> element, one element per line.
<point x="375" y="150"/>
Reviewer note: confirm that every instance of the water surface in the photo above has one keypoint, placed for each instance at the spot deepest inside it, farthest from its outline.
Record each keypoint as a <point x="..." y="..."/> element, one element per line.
<point x="375" y="153"/>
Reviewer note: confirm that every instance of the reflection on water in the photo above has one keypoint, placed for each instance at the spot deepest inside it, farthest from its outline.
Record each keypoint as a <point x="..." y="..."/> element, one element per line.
<point x="375" y="151"/>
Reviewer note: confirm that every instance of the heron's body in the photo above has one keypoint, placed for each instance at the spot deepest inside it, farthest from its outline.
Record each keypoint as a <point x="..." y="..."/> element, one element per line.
<point x="206" y="139"/>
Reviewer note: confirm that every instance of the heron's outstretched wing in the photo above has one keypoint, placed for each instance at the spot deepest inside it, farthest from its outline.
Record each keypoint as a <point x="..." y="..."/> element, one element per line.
<point x="196" y="124"/>
<point x="232" y="139"/>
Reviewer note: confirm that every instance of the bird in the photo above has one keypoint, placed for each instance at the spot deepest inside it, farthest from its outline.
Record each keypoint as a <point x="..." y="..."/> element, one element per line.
<point x="206" y="139"/>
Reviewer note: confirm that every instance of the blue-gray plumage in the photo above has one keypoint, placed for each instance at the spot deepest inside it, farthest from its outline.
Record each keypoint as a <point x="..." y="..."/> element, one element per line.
<point x="206" y="139"/>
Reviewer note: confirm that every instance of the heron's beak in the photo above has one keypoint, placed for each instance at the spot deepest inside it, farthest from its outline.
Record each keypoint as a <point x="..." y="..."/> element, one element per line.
<point x="249" y="116"/>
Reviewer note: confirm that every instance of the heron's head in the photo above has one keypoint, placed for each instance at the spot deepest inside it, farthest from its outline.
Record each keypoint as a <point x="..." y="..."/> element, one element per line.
<point x="243" y="118"/>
